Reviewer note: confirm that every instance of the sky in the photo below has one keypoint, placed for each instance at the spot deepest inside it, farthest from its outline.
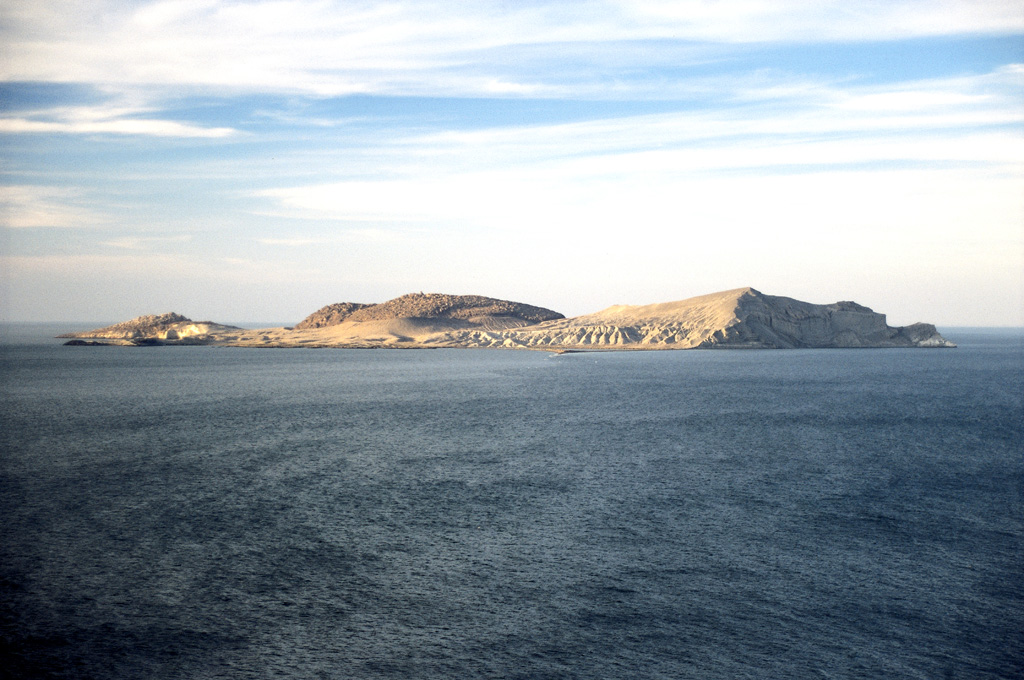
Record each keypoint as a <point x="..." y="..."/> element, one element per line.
<point x="254" y="161"/>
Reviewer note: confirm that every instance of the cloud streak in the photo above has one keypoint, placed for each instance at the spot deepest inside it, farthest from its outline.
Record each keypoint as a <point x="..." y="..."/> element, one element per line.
<point x="112" y="119"/>
<point x="963" y="122"/>
<point x="27" y="207"/>
<point x="144" y="243"/>
<point x="335" y="48"/>
<point x="152" y="128"/>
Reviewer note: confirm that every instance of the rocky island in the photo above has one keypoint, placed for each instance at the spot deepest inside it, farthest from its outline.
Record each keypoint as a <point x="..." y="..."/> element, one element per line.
<point x="743" y="318"/>
<point x="154" y="329"/>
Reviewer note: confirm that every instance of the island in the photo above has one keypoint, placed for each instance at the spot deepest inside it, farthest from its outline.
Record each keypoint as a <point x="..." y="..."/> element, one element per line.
<point x="743" y="318"/>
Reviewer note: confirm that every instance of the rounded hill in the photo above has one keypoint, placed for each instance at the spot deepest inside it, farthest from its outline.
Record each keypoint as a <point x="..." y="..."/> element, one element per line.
<point x="427" y="306"/>
<point x="331" y="315"/>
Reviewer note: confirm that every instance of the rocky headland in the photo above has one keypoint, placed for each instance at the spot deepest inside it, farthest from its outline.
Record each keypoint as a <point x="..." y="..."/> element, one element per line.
<point x="743" y="318"/>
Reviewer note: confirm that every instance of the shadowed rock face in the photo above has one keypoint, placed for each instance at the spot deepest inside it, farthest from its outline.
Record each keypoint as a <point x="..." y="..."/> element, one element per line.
<point x="771" y="321"/>
<point x="922" y="335"/>
<point x="426" y="306"/>
<point x="85" y="343"/>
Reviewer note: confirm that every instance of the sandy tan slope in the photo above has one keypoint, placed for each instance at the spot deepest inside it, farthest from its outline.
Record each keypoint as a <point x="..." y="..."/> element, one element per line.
<point x="678" y="325"/>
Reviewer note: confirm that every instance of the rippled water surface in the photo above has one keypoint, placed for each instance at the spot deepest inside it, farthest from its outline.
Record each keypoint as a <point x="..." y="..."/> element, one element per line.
<point x="196" y="512"/>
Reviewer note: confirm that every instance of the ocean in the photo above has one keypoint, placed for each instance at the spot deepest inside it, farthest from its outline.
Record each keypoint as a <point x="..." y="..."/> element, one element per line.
<point x="201" y="512"/>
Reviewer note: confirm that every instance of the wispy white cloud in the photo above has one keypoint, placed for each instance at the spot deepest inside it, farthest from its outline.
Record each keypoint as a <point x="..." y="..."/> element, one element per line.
<point x="26" y="206"/>
<point x="113" y="119"/>
<point x="347" y="236"/>
<point x="480" y="173"/>
<point x="297" y="242"/>
<point x="332" y="47"/>
<point x="154" y="128"/>
<point x="145" y="242"/>
<point x="823" y="20"/>
<point x="812" y="110"/>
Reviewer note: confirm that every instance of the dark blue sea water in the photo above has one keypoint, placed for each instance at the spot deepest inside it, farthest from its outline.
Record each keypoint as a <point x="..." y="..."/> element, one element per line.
<point x="197" y="512"/>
